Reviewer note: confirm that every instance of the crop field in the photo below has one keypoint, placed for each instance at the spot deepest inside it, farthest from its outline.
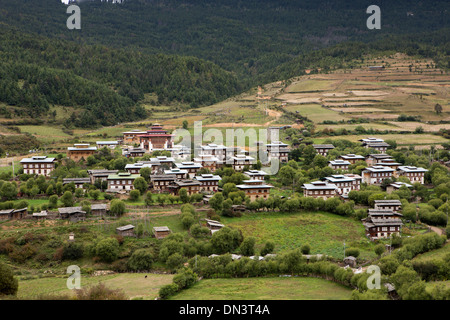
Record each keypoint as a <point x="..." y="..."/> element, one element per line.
<point x="402" y="139"/>
<point x="324" y="232"/>
<point x="316" y="113"/>
<point x="135" y="285"/>
<point x="279" y="288"/>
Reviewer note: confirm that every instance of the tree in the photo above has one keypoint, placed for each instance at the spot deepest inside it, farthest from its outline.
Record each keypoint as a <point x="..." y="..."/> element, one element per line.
<point x="226" y="240"/>
<point x="67" y="199"/>
<point x="8" y="284"/>
<point x="141" y="260"/>
<point x="8" y="191"/>
<point x="117" y="207"/>
<point x="287" y="174"/>
<point x="94" y="194"/>
<point x="216" y="202"/>
<point x="145" y="173"/>
<point x="140" y="184"/>
<point x="185" y="124"/>
<point x="247" y="247"/>
<point x="379" y="249"/>
<point x="305" y="249"/>
<point x="134" y="195"/>
<point x="53" y="201"/>
<point x="183" y="195"/>
<point x="268" y="248"/>
<point x="175" y="261"/>
<point x="149" y="199"/>
<point x="107" y="249"/>
<point x="438" y="108"/>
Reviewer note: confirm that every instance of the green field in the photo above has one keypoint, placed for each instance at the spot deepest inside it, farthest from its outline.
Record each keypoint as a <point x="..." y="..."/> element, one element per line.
<point x="402" y="139"/>
<point x="311" y="85"/>
<point x="316" y="113"/>
<point x="279" y="288"/>
<point x="46" y="134"/>
<point x="133" y="284"/>
<point x="434" y="254"/>
<point x="324" y="232"/>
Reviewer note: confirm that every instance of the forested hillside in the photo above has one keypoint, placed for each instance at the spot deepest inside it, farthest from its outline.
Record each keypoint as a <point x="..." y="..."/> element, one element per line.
<point x="246" y="36"/>
<point x="106" y="83"/>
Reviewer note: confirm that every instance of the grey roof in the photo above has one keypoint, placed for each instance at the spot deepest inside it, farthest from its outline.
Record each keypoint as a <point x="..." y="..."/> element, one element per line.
<point x="124" y="228"/>
<point x="99" y="206"/>
<point x="187" y="183"/>
<point x="70" y="210"/>
<point x="319" y="185"/>
<point x="339" y="162"/>
<point x="388" y="202"/>
<point x="101" y="172"/>
<point x="38" y="159"/>
<point x="159" y="177"/>
<point x="378" y="169"/>
<point x="76" y="180"/>
<point x="161" y="229"/>
<point x="411" y="169"/>
<point x="6" y="211"/>
<point x="323" y="146"/>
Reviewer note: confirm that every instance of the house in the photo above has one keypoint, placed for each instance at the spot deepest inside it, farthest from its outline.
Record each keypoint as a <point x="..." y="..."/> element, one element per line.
<point x="350" y="261"/>
<point x="133" y="152"/>
<point x="396" y="186"/>
<point x="99" y="209"/>
<point x="376" y="174"/>
<point x="5" y="214"/>
<point x="107" y="144"/>
<point x="161" y="163"/>
<point x="240" y="161"/>
<point x="375" y="143"/>
<point x="208" y="161"/>
<point x="320" y="189"/>
<point x="339" y="164"/>
<point x="13" y="214"/>
<point x="278" y="150"/>
<point x="101" y="174"/>
<point x="135" y="168"/>
<point x="191" y="186"/>
<point x="343" y="183"/>
<point x="40" y="215"/>
<point x="255" y="189"/>
<point x="323" y="149"/>
<point x="209" y="182"/>
<point x="161" y="182"/>
<point x="161" y="232"/>
<point x="79" y="182"/>
<point x="132" y="137"/>
<point x="382" y="224"/>
<point x="389" y="162"/>
<point x="393" y="205"/>
<point x="191" y="167"/>
<point x="156" y="138"/>
<point x="255" y="174"/>
<point x="352" y="158"/>
<point x="414" y="174"/>
<point x="74" y="214"/>
<point x="180" y="174"/>
<point x="219" y="151"/>
<point x="41" y="165"/>
<point x="80" y="151"/>
<point x="373" y="159"/>
<point x="18" y="214"/>
<point x="121" y="181"/>
<point x="126" y="231"/>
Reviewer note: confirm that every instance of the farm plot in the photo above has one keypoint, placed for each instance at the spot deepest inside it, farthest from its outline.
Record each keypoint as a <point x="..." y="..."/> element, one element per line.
<point x="279" y="288"/>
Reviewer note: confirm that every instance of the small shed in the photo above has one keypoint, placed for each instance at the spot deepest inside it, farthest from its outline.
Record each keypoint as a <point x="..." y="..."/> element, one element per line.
<point x="19" y="213"/>
<point x="161" y="232"/>
<point x="5" y="214"/>
<point x="40" y="215"/>
<point x="126" y="231"/>
<point x="350" y="261"/>
<point x="99" y="209"/>
<point x="238" y="208"/>
<point x="214" y="225"/>
<point x="74" y="214"/>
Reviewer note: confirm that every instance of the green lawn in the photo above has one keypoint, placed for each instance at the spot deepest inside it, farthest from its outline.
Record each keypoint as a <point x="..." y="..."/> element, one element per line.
<point x="279" y="288"/>
<point x="134" y="285"/>
<point x="324" y="232"/>
<point x="316" y="113"/>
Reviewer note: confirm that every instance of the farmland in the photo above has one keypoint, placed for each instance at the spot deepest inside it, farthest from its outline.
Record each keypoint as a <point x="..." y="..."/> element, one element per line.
<point x="265" y="289"/>
<point x="324" y="232"/>
<point x="134" y="285"/>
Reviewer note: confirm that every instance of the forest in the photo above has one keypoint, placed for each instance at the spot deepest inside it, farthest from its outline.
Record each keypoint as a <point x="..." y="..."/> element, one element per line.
<point x="192" y="53"/>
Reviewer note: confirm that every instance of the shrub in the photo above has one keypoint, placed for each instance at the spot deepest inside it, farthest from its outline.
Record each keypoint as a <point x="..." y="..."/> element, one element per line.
<point x="134" y="195"/>
<point x="168" y="290"/>
<point x="107" y="249"/>
<point x="100" y="292"/>
<point x="72" y="251"/>
<point x="175" y="261"/>
<point x="268" y="248"/>
<point x="354" y="252"/>
<point x="8" y="284"/>
<point x="305" y="249"/>
<point x="141" y="260"/>
<point x="247" y="247"/>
